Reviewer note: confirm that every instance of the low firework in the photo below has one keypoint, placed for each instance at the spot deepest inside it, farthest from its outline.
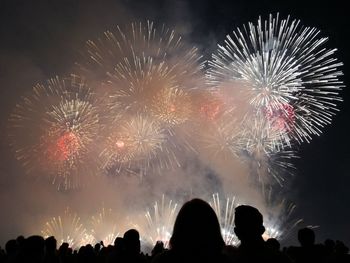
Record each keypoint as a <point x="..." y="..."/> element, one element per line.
<point x="289" y="73"/>
<point x="225" y="211"/>
<point x="61" y="123"/>
<point x="104" y="227"/>
<point x="159" y="222"/>
<point x="66" y="228"/>
<point x="278" y="220"/>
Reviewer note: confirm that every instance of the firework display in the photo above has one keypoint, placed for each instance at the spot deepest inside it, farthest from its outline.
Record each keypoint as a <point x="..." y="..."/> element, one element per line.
<point x="270" y="86"/>
<point x="143" y="103"/>
<point x="61" y="123"/>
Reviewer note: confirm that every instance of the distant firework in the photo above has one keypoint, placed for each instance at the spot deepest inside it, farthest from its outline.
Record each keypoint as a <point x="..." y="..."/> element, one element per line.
<point x="67" y="228"/>
<point x="61" y="123"/>
<point x="104" y="227"/>
<point x="159" y="222"/>
<point x="136" y="141"/>
<point x="171" y="106"/>
<point x="222" y="138"/>
<point x="225" y="211"/>
<point x="209" y="106"/>
<point x="278" y="220"/>
<point x="282" y="64"/>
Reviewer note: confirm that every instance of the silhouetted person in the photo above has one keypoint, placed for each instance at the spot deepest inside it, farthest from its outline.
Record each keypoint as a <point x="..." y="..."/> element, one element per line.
<point x="196" y="236"/>
<point x="308" y="250"/>
<point x="65" y="253"/>
<point x="341" y="252"/>
<point x="86" y="254"/>
<point x="132" y="247"/>
<point x="51" y="250"/>
<point x="158" y="248"/>
<point x="33" y="250"/>
<point x="273" y="244"/>
<point x="249" y="229"/>
<point x="117" y="252"/>
<point x="306" y="237"/>
<point x="11" y="248"/>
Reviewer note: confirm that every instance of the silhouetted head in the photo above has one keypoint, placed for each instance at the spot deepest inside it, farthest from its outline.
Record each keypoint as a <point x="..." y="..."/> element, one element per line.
<point x="197" y="227"/>
<point x="158" y="248"/>
<point x="119" y="243"/>
<point x="306" y="237"/>
<point x="132" y="241"/>
<point x="51" y="244"/>
<point x="11" y="247"/>
<point x="273" y="244"/>
<point x="34" y="249"/>
<point x="248" y="223"/>
<point x="329" y="244"/>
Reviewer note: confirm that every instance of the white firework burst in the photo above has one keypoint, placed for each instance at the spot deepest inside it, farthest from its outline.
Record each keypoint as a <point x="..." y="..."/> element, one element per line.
<point x="287" y="71"/>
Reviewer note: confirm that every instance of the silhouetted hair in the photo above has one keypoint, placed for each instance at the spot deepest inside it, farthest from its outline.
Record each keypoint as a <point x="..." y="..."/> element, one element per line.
<point x="197" y="227"/>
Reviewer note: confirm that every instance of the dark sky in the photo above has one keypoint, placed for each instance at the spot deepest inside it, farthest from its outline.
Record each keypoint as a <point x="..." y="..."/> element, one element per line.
<point x="41" y="40"/>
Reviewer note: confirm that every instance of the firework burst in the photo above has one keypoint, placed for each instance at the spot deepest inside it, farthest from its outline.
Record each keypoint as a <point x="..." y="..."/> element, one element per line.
<point x="104" y="227"/>
<point x="61" y="122"/>
<point x="141" y="65"/>
<point x="157" y="223"/>
<point x="289" y="74"/>
<point x="67" y="228"/>
<point x="138" y="141"/>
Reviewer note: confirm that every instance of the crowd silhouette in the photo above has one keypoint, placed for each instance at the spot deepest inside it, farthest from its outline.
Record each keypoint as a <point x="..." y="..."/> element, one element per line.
<point x="196" y="237"/>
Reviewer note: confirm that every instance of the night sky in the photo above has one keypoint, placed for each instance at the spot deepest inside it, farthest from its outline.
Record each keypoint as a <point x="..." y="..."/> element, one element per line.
<point x="41" y="40"/>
